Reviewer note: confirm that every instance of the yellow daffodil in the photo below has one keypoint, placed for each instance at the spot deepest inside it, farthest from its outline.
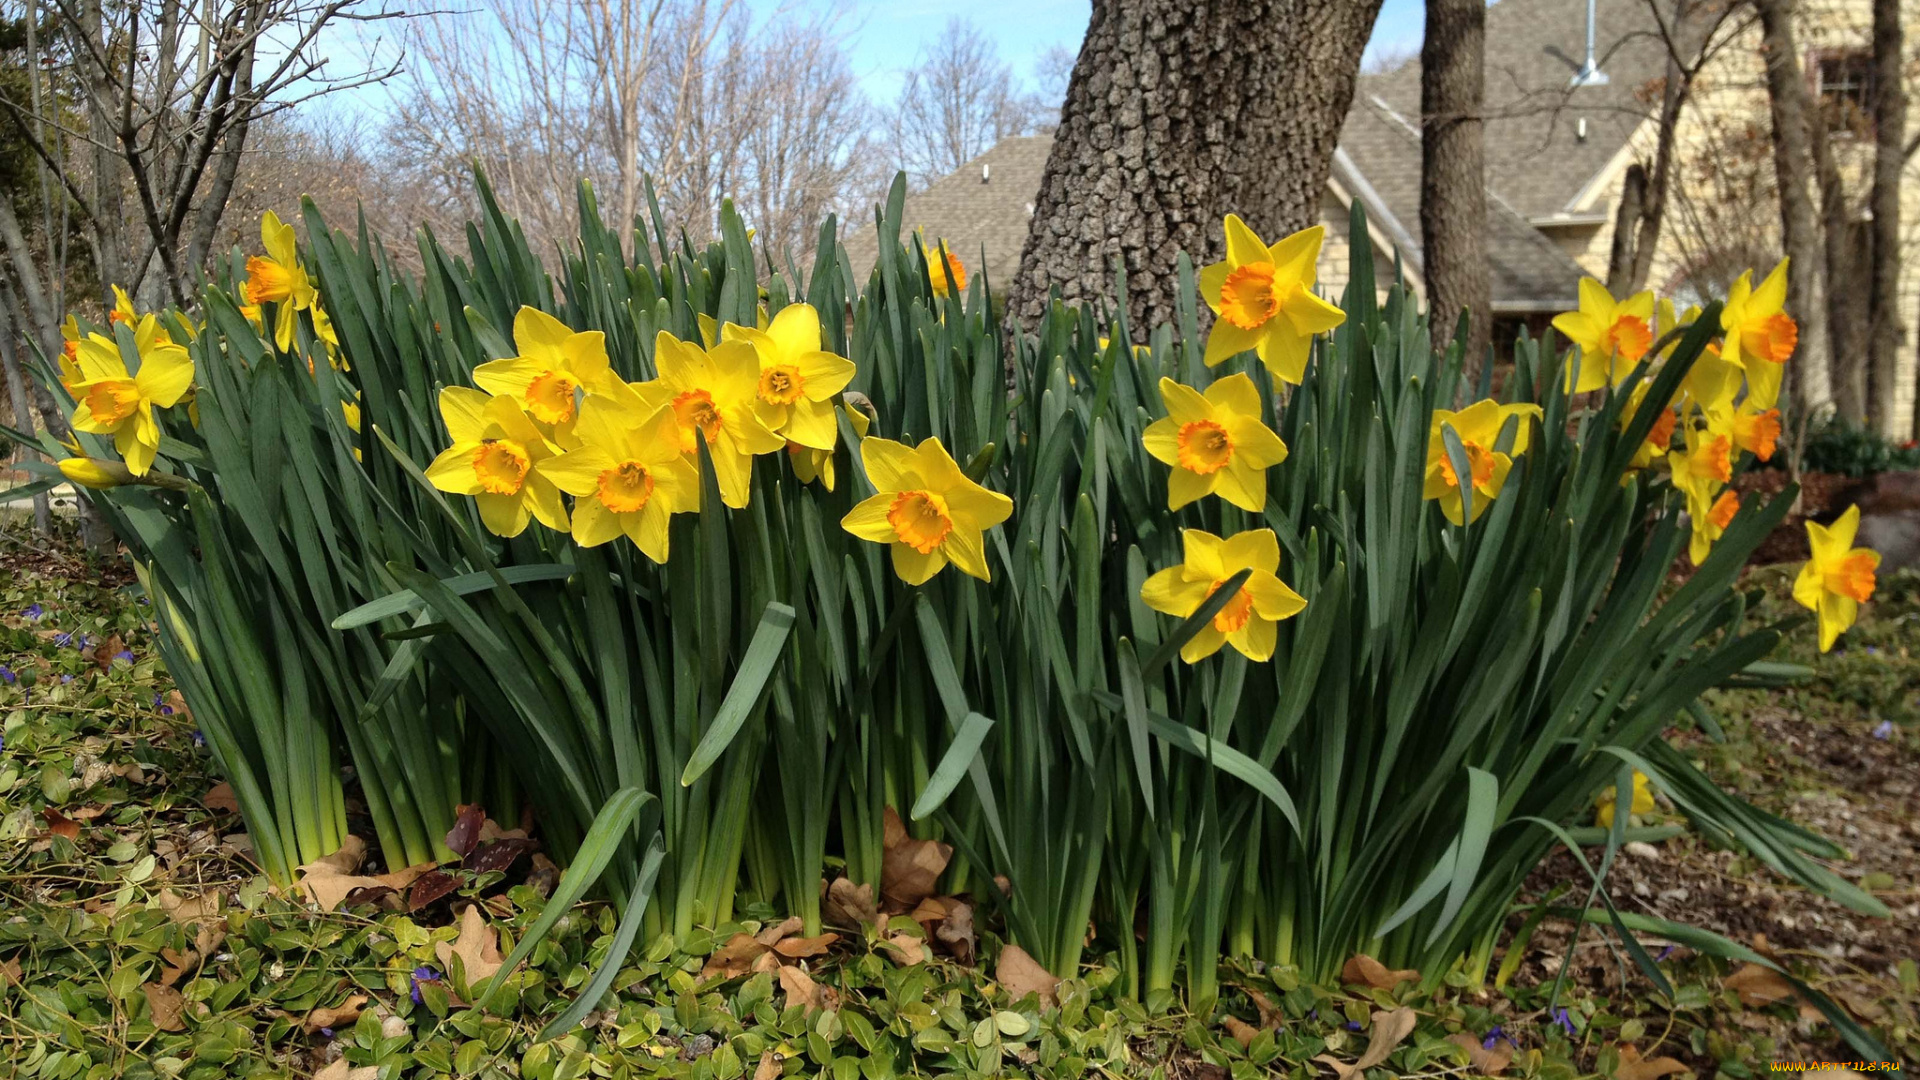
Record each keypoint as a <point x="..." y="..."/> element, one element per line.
<point x="554" y="367"/>
<point x="70" y="354"/>
<point x="1712" y="383"/>
<point x="1249" y="621"/>
<point x="1264" y="299"/>
<point x="1709" y="523"/>
<point x="1665" y="321"/>
<point x="925" y="509"/>
<point x="798" y="380"/>
<point x="92" y="473"/>
<point x="939" y="257"/>
<point x="1760" y="335"/>
<point x="628" y="476"/>
<point x="1757" y="431"/>
<point x="113" y="402"/>
<point x="1478" y="427"/>
<point x="1215" y="442"/>
<point x="1613" y="336"/>
<point x="1642" y="801"/>
<point x="279" y="278"/>
<point x="713" y="392"/>
<point x="1704" y="466"/>
<point x="1659" y="436"/>
<point x="810" y="464"/>
<point x="500" y="458"/>
<point x="1838" y="578"/>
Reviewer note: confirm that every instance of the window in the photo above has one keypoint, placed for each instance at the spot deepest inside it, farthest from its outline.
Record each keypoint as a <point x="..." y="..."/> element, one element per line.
<point x="1844" y="83"/>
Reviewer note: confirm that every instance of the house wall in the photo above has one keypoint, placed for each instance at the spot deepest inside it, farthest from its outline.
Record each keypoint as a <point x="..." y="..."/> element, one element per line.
<point x="1723" y="215"/>
<point x="1336" y="250"/>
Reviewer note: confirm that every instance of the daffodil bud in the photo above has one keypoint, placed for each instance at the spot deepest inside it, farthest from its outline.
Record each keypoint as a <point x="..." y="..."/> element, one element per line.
<point x="93" y="473"/>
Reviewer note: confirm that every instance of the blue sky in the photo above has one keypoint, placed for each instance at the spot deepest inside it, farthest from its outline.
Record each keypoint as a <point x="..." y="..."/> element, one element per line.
<point x="885" y="35"/>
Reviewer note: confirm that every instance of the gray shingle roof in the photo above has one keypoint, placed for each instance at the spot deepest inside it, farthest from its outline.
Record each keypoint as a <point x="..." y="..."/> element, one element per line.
<point x="974" y="210"/>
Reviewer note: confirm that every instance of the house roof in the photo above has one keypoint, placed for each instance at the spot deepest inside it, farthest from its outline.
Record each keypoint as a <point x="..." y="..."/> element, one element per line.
<point x="984" y="205"/>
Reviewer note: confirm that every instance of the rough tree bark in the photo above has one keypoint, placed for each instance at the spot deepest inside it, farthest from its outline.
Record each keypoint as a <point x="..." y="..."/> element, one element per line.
<point x="1889" y="157"/>
<point x="1787" y="96"/>
<point x="1626" y="220"/>
<point x="1453" y="174"/>
<point x="1179" y="112"/>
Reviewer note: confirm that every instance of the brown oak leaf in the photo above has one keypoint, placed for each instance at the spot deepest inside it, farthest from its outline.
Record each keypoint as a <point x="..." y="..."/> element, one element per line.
<point x="909" y="868"/>
<point x="1388" y="1031"/>
<point x="166" y="1007"/>
<point x="341" y="1015"/>
<point x="1021" y="974"/>
<point x="1364" y="970"/>
<point x="478" y="948"/>
<point x="1632" y="1067"/>
<point x="1482" y="1060"/>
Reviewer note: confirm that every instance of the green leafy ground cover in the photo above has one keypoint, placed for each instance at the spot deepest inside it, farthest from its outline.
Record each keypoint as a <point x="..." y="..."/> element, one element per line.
<point x="137" y="940"/>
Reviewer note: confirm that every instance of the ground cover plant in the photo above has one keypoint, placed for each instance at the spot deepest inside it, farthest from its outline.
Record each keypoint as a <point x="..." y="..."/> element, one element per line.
<point x="1087" y="634"/>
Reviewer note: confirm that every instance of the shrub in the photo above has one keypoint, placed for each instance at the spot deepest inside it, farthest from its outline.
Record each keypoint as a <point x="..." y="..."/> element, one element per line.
<point x="1837" y="445"/>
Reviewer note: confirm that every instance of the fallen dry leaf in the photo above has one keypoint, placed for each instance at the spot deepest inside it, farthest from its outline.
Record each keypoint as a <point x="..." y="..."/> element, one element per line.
<point x="769" y="1067"/>
<point x="850" y="905"/>
<point x="465" y="833"/>
<point x="1364" y="970"/>
<point x="802" y="990"/>
<point x="909" y="868"/>
<point x="341" y="1015"/>
<point x="1388" y="1030"/>
<point x="201" y="914"/>
<point x="432" y="885"/>
<point x="774" y="934"/>
<point x="956" y="932"/>
<point x="1021" y="974"/>
<point x="10" y="971"/>
<point x="328" y="880"/>
<point x="1632" y="1067"/>
<point x="1758" y="985"/>
<point x="59" y="824"/>
<point x="178" y="965"/>
<point x="1242" y="1032"/>
<point x="478" y="948"/>
<point x="1482" y="1060"/>
<point x="1270" y="1014"/>
<point x="340" y="1070"/>
<point x="544" y="875"/>
<point x="733" y="959"/>
<point x="909" y="949"/>
<point x="220" y="799"/>
<point x="166" y="1007"/>
<point x="794" y="948"/>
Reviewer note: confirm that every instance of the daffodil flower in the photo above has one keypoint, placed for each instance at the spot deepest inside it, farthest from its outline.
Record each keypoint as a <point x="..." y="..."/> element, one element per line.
<point x="113" y="402"/>
<point x="939" y="258"/>
<point x="554" y="367"/>
<point x="1665" y="321"/>
<point x="1215" y="442"/>
<point x="1249" y="622"/>
<point x="1642" y="801"/>
<point x="1704" y="466"/>
<point x="1478" y="427"/>
<point x="278" y="277"/>
<point x="1612" y="335"/>
<point x="1838" y="578"/>
<point x="1757" y="431"/>
<point x="628" y="476"/>
<point x="1264" y="299"/>
<point x="1760" y="335"/>
<point x="1709" y="522"/>
<point x="810" y="464"/>
<point x="1659" y="437"/>
<point x="499" y="457"/>
<point x="798" y="380"/>
<point x="712" y="392"/>
<point x="925" y="509"/>
<point x="91" y="473"/>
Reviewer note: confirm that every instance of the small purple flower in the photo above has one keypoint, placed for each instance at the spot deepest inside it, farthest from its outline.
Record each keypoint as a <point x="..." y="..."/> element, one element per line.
<point x="1664" y="953"/>
<point x="1560" y="1017"/>
<point x="326" y="1033"/>
<point x="34" y="612"/>
<point x="63" y="639"/>
<point x="1882" y="730"/>
<point x="6" y="674"/>
<point x="1873" y="650"/>
<point x="1493" y="1036"/>
<point x="3" y="742"/>
<point x="1353" y="1025"/>
<point x="124" y="656"/>
<point x="422" y="974"/>
<point x="66" y="678"/>
<point x="199" y="737"/>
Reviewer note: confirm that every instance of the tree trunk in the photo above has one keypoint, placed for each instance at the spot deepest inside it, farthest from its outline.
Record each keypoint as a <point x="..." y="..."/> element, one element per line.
<point x="23" y="414"/>
<point x="1799" y="212"/>
<point x="1453" y="174"/>
<point x="1883" y="286"/>
<point x="1178" y="113"/>
<point x="1626" y="227"/>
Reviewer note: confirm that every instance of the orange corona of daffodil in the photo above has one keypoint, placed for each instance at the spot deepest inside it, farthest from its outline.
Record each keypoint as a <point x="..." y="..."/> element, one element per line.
<point x="1249" y="621"/>
<point x="500" y="458"/>
<point x="1642" y="801"/>
<point x="1215" y="442"/>
<point x="278" y="277"/>
<point x="712" y="392"/>
<point x="1757" y="431"/>
<point x="1760" y="335"/>
<point x="1478" y="427"/>
<point x="1613" y="335"/>
<point x="798" y="379"/>
<point x="554" y="367"/>
<point x="1659" y="437"/>
<point x="1709" y="522"/>
<point x="925" y="509"/>
<point x="110" y="401"/>
<point x="939" y="258"/>
<point x="1838" y="578"/>
<point x="1264" y="299"/>
<point x="1704" y="466"/>
<point x="628" y="476"/>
